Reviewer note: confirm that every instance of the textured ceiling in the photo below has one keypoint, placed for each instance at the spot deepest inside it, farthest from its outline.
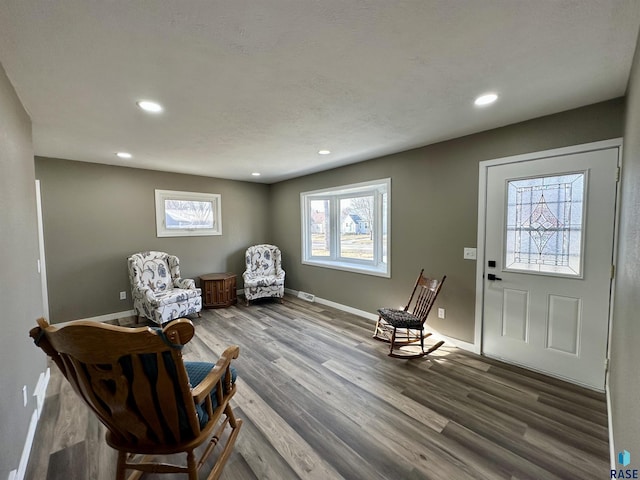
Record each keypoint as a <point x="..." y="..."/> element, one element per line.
<point x="262" y="85"/>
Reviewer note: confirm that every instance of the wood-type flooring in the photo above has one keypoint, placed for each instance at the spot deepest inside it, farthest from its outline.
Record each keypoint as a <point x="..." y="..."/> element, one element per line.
<point x="320" y="399"/>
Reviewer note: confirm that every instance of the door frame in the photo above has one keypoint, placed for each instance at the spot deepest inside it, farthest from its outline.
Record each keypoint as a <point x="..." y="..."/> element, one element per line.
<point x="482" y="205"/>
<point x="42" y="264"/>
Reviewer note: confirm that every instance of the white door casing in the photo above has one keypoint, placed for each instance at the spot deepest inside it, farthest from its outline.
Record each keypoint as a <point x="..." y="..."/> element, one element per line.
<point x="42" y="264"/>
<point x="550" y="318"/>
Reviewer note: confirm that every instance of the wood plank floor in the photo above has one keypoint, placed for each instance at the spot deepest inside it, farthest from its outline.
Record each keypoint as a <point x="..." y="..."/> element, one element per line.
<point x="320" y="399"/>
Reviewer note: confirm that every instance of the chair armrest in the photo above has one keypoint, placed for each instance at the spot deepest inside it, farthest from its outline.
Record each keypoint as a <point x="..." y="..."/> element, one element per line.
<point x="248" y="274"/>
<point x="280" y="274"/>
<point x="201" y="391"/>
<point x="146" y="292"/>
<point x="186" y="283"/>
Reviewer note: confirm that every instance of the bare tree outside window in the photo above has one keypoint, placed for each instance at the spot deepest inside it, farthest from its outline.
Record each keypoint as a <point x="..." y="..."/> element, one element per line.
<point x="346" y="227"/>
<point x="363" y="207"/>
<point x="188" y="214"/>
<point x="356" y="218"/>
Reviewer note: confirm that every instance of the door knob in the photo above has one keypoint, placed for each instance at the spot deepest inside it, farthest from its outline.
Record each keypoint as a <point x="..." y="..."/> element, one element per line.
<point x="491" y="276"/>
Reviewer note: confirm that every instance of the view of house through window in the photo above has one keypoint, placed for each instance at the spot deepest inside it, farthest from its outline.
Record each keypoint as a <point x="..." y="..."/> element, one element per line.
<point x="346" y="227"/>
<point x="187" y="213"/>
<point x="320" y="228"/>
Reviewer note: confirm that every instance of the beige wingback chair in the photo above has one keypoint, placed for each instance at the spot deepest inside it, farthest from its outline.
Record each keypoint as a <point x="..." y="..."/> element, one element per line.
<point x="158" y="291"/>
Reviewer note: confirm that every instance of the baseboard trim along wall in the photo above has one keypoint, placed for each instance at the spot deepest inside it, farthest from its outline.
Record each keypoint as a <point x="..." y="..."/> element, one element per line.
<point x="612" y="447"/>
<point x="345" y="308"/>
<point x="102" y="318"/>
<point x="373" y="317"/>
<point x="110" y="316"/>
<point x="39" y="392"/>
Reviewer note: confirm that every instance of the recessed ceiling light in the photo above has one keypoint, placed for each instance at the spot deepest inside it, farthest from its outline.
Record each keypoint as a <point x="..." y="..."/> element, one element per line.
<point x="149" y="106"/>
<point x="256" y="174"/>
<point x="486" y="99"/>
<point x="124" y="155"/>
<point x="324" y="152"/>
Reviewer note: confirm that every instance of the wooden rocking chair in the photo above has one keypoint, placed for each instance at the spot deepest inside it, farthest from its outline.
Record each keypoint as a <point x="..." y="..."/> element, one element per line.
<point x="405" y="327"/>
<point x="152" y="403"/>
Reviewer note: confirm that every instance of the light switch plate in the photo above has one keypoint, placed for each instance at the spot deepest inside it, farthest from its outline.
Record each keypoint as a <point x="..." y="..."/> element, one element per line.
<point x="469" y="253"/>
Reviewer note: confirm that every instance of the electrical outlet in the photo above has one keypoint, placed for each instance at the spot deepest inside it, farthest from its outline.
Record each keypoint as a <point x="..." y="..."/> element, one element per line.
<point x="123" y="295"/>
<point x="441" y="313"/>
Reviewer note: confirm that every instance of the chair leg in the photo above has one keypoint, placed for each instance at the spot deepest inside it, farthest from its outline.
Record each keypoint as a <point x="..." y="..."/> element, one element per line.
<point x="382" y="330"/>
<point x="393" y="342"/>
<point x="121" y="467"/>
<point x="191" y="465"/>
<point x="375" y="330"/>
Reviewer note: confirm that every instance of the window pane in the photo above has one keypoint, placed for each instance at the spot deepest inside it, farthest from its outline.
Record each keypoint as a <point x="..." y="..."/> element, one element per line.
<point x="187" y="214"/>
<point x="320" y="228"/>
<point x="357" y="227"/>
<point x="345" y="227"/>
<point x="544" y="224"/>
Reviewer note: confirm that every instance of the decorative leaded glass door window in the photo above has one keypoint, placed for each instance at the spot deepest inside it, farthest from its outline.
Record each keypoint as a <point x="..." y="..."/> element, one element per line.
<point x="544" y="224"/>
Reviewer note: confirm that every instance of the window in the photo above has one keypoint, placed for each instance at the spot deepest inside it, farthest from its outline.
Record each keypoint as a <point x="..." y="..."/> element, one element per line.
<point x="187" y="214"/>
<point x="347" y="227"/>
<point x="545" y="217"/>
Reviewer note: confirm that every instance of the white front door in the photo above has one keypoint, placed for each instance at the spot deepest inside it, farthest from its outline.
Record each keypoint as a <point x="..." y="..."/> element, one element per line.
<point x="549" y="237"/>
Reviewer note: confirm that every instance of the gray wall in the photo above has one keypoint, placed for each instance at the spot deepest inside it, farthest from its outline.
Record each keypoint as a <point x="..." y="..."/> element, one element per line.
<point x="95" y="216"/>
<point x="434" y="199"/>
<point x="625" y="348"/>
<point x="20" y="292"/>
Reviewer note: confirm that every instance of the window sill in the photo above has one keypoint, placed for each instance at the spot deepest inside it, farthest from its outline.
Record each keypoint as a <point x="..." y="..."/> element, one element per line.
<point x="382" y="271"/>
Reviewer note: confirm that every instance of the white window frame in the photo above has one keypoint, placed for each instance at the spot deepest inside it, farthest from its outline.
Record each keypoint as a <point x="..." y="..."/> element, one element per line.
<point x="375" y="188"/>
<point x="213" y="198"/>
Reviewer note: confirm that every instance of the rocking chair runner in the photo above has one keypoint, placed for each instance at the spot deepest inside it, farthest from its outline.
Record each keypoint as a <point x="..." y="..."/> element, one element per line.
<point x="404" y="327"/>
<point x="152" y="403"/>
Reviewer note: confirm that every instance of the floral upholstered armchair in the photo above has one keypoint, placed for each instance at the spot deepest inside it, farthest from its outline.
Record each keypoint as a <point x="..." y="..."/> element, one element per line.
<point x="264" y="276"/>
<point x="158" y="292"/>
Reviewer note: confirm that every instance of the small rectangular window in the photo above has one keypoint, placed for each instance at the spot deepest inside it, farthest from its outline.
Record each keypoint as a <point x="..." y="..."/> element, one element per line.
<point x="187" y="214"/>
<point x="346" y="227"/>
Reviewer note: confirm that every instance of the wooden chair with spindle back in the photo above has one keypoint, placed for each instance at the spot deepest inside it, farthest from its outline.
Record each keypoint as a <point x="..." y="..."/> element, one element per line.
<point x="152" y="403"/>
<point x="405" y="327"/>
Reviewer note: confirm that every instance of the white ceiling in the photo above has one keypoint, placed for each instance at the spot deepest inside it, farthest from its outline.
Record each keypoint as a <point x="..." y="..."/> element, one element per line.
<point x="262" y="85"/>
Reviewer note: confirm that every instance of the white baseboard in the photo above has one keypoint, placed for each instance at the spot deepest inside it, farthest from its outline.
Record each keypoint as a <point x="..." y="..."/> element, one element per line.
<point x="26" y="451"/>
<point x="102" y="318"/>
<point x="111" y="316"/>
<point x="373" y="317"/>
<point x="38" y="392"/>
<point x="461" y="344"/>
<point x="41" y="390"/>
<point x="346" y="308"/>
<point x="612" y="447"/>
<point x="339" y="306"/>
